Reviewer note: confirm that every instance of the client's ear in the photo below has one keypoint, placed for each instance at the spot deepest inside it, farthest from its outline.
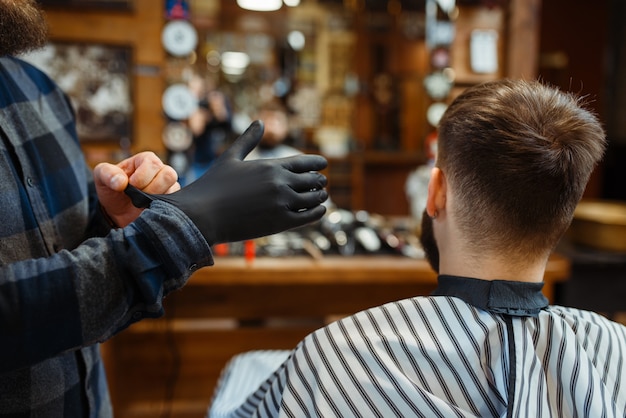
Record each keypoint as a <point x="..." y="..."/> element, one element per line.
<point x="437" y="189"/>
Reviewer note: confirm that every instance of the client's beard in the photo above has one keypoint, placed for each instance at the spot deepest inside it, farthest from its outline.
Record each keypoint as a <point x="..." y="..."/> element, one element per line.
<point x="429" y="243"/>
<point x="23" y="27"/>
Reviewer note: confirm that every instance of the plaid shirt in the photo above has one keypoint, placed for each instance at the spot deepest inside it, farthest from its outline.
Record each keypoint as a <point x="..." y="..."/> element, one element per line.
<point x="68" y="281"/>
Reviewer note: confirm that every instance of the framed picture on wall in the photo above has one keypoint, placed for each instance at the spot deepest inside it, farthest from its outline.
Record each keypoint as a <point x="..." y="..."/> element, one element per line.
<point x="96" y="4"/>
<point x="97" y="79"/>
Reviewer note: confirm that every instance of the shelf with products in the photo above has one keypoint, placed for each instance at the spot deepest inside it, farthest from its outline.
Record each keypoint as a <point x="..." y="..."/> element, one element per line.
<point x="390" y="114"/>
<point x="366" y="67"/>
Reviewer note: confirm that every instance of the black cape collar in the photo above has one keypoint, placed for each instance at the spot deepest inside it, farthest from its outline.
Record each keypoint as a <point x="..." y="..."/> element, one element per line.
<point x="497" y="296"/>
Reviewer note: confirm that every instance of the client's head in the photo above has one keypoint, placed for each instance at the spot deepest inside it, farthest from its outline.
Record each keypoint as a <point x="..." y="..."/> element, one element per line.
<point x="516" y="156"/>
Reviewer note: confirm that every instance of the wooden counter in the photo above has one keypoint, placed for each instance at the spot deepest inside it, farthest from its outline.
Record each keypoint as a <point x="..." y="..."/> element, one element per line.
<point x="169" y="367"/>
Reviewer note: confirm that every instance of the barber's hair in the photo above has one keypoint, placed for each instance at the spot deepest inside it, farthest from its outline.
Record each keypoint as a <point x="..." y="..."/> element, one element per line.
<point x="518" y="155"/>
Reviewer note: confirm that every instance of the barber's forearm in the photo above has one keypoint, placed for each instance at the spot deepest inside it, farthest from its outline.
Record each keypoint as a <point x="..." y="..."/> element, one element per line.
<point x="78" y="297"/>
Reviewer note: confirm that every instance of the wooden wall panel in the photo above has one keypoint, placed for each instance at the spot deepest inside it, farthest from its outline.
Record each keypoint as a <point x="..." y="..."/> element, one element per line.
<point x="470" y="19"/>
<point x="523" y="39"/>
<point x="141" y="30"/>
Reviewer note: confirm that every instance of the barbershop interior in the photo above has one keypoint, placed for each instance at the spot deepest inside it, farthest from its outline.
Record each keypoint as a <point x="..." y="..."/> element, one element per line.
<point x="361" y="82"/>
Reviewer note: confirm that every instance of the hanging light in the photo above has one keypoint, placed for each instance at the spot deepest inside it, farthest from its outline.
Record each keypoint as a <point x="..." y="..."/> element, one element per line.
<point x="235" y="63"/>
<point x="260" y="5"/>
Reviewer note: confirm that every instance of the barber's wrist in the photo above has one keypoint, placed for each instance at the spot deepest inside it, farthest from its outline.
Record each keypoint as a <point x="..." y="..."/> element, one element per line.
<point x="108" y="218"/>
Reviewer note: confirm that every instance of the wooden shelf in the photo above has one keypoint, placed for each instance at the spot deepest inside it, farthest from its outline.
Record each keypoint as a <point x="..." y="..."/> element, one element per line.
<point x="172" y="364"/>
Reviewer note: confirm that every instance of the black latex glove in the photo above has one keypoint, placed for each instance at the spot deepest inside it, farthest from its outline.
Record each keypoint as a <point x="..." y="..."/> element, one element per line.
<point x="237" y="200"/>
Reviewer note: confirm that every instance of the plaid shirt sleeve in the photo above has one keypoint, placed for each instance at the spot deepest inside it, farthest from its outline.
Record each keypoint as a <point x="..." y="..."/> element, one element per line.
<point x="66" y="280"/>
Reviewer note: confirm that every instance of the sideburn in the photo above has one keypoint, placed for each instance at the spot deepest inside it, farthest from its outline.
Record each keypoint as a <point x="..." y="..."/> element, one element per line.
<point x="429" y="243"/>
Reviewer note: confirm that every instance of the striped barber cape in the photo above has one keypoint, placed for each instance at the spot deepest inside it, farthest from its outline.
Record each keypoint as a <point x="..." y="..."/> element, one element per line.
<point x="472" y="349"/>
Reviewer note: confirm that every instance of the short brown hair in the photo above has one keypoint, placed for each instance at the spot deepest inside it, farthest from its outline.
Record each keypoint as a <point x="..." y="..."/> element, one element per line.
<point x="518" y="155"/>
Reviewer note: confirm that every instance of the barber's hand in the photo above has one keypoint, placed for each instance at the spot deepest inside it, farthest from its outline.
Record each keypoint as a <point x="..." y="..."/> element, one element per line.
<point x="237" y="200"/>
<point x="145" y="171"/>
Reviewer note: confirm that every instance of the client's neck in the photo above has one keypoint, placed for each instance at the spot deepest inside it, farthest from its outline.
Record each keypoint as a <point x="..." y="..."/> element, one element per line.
<point x="488" y="266"/>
